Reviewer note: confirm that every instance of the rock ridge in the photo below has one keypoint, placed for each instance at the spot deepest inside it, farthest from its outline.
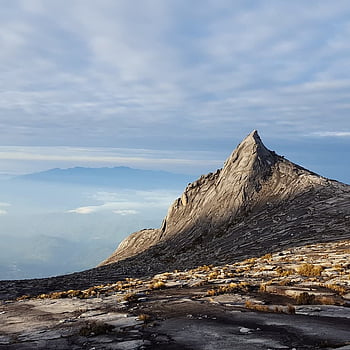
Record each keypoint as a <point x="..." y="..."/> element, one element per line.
<point x="258" y="203"/>
<point x="252" y="178"/>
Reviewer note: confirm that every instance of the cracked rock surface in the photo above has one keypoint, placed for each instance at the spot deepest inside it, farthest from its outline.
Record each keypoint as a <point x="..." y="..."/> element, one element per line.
<point x="257" y="203"/>
<point x="253" y="256"/>
<point x="252" y="304"/>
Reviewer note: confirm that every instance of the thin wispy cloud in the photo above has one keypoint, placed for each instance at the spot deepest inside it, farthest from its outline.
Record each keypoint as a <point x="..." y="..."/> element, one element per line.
<point x="125" y="212"/>
<point x="109" y="206"/>
<point x="332" y="134"/>
<point x="127" y="202"/>
<point x="2" y="206"/>
<point x="32" y="158"/>
<point x="84" y="210"/>
<point x="5" y="204"/>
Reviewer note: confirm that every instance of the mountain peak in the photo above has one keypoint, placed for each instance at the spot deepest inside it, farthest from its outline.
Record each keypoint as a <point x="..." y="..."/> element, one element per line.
<point x="253" y="178"/>
<point x="250" y="155"/>
<point x="254" y="139"/>
<point x="254" y="135"/>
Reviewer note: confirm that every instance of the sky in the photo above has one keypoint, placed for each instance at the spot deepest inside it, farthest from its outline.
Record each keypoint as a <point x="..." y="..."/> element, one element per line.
<point x="173" y="84"/>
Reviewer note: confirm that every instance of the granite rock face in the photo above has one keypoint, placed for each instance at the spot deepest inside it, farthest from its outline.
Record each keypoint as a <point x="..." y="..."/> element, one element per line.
<point x="258" y="200"/>
<point x="297" y="298"/>
<point x="257" y="203"/>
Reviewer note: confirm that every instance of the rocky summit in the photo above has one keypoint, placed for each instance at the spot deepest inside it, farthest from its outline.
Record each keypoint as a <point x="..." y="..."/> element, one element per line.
<point x="258" y="202"/>
<point x="253" y="256"/>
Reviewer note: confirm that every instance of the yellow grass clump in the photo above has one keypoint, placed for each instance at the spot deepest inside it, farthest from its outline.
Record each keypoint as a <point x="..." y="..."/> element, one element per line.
<point x="310" y="270"/>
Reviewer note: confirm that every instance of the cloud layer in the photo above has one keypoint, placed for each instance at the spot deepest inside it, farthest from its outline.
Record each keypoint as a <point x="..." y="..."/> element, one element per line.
<point x="26" y="159"/>
<point x="167" y="75"/>
<point x="168" y="84"/>
<point x="126" y="202"/>
<point x="2" y="206"/>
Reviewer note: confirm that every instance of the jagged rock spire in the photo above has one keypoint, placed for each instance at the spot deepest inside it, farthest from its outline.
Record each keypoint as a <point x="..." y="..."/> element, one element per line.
<point x="247" y="152"/>
<point x="252" y="176"/>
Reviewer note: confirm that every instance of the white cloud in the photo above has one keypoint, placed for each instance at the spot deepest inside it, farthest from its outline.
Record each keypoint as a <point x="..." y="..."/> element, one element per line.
<point x="166" y="73"/>
<point x="109" y="206"/>
<point x="104" y="196"/>
<point x="127" y="202"/>
<point x="48" y="157"/>
<point x="125" y="212"/>
<point x="4" y="205"/>
<point x="84" y="210"/>
<point x="75" y="155"/>
<point x="332" y="133"/>
<point x="327" y="85"/>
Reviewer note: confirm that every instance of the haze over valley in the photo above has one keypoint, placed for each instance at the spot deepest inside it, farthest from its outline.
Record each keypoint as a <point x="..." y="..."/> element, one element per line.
<point x="62" y="221"/>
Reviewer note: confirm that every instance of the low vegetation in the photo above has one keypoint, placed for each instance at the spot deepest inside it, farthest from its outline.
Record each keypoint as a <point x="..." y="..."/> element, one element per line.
<point x="310" y="270"/>
<point x="305" y="299"/>
<point x="285" y="309"/>
<point x="144" y="318"/>
<point x="322" y="278"/>
<point x="157" y="285"/>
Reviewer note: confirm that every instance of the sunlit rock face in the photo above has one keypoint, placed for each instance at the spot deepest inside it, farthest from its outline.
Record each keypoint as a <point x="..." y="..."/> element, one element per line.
<point x="257" y="202"/>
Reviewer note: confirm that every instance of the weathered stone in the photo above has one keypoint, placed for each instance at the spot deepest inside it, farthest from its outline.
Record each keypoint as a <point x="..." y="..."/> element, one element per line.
<point x="124" y="322"/>
<point x="279" y="204"/>
<point x="258" y="203"/>
<point x="215" y="318"/>
<point x="128" y="345"/>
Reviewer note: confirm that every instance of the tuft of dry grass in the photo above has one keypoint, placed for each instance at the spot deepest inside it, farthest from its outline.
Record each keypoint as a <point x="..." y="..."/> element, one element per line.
<point x="267" y="256"/>
<point x="157" y="285"/>
<point x="130" y="297"/>
<point x="289" y="309"/>
<point x="336" y="288"/>
<point x="250" y="261"/>
<point x="144" y="317"/>
<point x="310" y="270"/>
<point x="284" y="273"/>
<point x="229" y="288"/>
<point x="257" y="307"/>
<point x="305" y="299"/>
<point x="211" y="292"/>
<point x="213" y="275"/>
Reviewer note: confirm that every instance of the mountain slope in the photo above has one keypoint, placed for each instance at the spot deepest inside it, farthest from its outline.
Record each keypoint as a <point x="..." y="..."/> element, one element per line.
<point x="257" y="201"/>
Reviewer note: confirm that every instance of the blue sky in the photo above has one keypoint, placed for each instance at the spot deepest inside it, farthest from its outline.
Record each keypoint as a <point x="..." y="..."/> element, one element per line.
<point x="173" y="84"/>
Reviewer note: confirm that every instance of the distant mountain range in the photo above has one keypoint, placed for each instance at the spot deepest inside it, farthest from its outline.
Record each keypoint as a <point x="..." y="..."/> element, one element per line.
<point x="119" y="177"/>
